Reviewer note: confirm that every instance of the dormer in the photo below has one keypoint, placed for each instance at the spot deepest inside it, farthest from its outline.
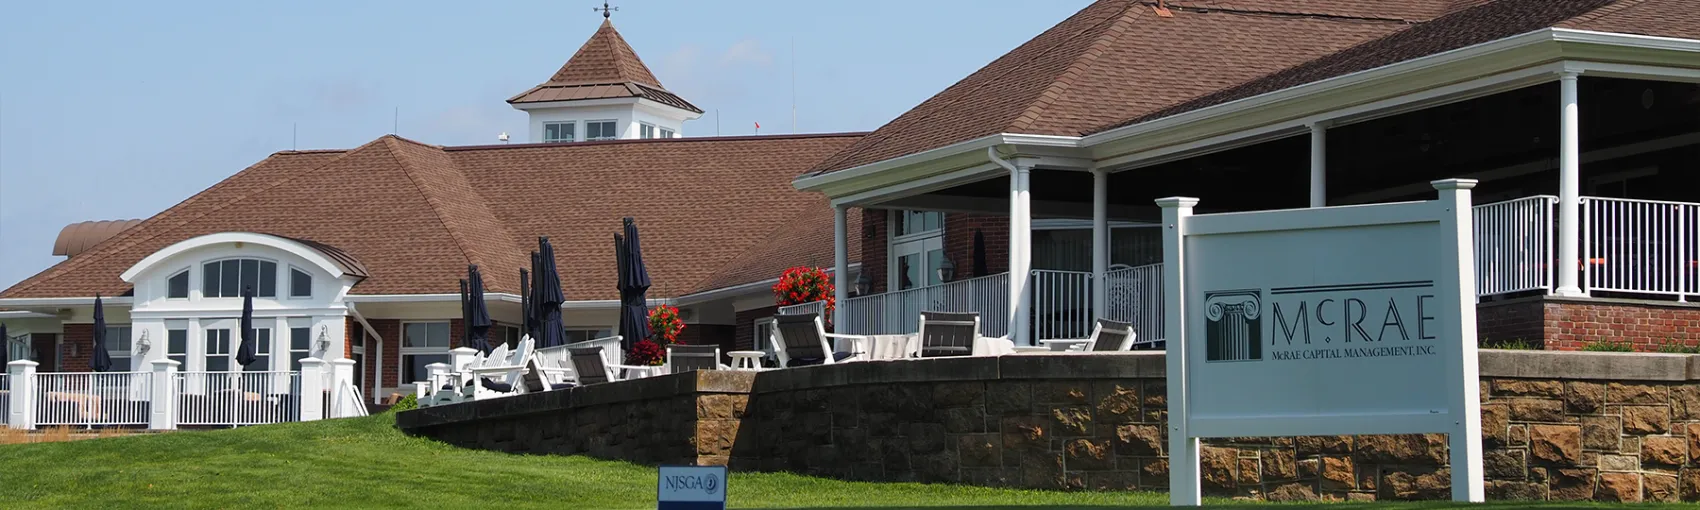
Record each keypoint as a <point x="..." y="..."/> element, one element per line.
<point x="604" y="92"/>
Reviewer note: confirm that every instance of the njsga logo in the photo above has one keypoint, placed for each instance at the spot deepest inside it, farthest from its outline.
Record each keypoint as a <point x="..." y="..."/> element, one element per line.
<point x="1233" y="325"/>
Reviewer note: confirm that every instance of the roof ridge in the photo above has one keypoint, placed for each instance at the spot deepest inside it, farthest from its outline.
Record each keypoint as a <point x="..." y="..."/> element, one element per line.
<point x="1206" y="6"/>
<point x="407" y="169"/>
<point x="871" y="139"/>
<point x="634" y="141"/>
<point x="1114" y="27"/>
<point x="624" y="62"/>
<point x="1604" y="11"/>
<point x="120" y="241"/>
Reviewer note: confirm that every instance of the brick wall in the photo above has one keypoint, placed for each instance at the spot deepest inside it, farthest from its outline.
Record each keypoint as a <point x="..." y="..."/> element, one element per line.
<point x="1571" y="324"/>
<point x="390" y="330"/>
<point x="44" y="345"/>
<point x="74" y="348"/>
<point x="723" y="335"/>
<point x="744" y="333"/>
<point x="874" y="248"/>
<point x="958" y="244"/>
<point x="1520" y="320"/>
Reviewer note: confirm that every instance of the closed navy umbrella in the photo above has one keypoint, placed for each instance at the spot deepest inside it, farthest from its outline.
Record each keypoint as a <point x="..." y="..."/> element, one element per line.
<point x="245" y="354"/>
<point x="465" y="314"/>
<point x="100" y="360"/>
<point x="634" y="284"/>
<point x="551" y="332"/>
<point x="525" y="316"/>
<point x="478" y="316"/>
<point x="980" y="254"/>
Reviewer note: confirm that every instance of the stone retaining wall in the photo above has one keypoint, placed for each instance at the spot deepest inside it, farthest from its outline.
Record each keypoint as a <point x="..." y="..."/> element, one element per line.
<point x="1556" y="425"/>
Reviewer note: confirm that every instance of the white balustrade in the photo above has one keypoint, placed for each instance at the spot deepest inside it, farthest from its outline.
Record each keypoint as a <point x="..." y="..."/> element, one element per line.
<point x="92" y="398"/>
<point x="1136" y="296"/>
<point x="1514" y="245"/>
<point x="1639" y="246"/>
<point x="1062" y="304"/>
<point x="802" y="308"/>
<point x="900" y="312"/>
<point x="238" y="398"/>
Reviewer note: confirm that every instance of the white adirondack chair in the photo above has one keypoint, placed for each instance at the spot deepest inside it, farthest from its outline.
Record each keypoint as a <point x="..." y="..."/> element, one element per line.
<point x="506" y="373"/>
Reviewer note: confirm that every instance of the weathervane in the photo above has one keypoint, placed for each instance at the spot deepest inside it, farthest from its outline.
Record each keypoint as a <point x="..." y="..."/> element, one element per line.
<point x="605" y="9"/>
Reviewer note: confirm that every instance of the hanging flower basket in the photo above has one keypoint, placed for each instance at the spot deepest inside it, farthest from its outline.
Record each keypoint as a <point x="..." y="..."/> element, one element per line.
<point x="645" y="353"/>
<point x="800" y="285"/>
<point x="665" y="326"/>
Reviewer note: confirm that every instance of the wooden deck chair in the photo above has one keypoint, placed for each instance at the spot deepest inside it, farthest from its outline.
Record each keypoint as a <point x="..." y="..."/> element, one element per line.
<point x="947" y="334"/>
<point x="803" y="341"/>
<point x="685" y="358"/>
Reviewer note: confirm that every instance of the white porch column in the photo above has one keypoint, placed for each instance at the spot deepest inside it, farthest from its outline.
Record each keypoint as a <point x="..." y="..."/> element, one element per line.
<point x="312" y="395"/>
<point x="162" y="409"/>
<point x="1020" y="253"/>
<point x="840" y="264"/>
<point x="1318" y="165"/>
<point x="21" y="403"/>
<point x="1569" y="189"/>
<point x="1100" y="243"/>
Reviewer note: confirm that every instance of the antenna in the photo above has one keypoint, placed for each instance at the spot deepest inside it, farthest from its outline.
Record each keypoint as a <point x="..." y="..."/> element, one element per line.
<point x="292" y="137"/>
<point x="793" y="85"/>
<point x="395" y="121"/>
<point x="716" y="122"/>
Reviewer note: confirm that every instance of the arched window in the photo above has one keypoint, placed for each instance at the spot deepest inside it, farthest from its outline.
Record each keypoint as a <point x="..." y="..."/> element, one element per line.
<point x="227" y="278"/>
<point x="300" y="283"/>
<point x="177" y="286"/>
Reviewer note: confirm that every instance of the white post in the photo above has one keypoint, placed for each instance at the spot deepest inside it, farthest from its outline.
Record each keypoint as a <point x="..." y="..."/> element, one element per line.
<point x="162" y="408"/>
<point x="1569" y="189"/>
<point x="436" y="375"/>
<point x="1318" y="165"/>
<point x="1020" y="253"/>
<point x="1100" y="243"/>
<point x="342" y="376"/>
<point x="1184" y="487"/>
<point x="312" y="396"/>
<point x="840" y="264"/>
<point x="1458" y="292"/>
<point x="461" y="357"/>
<point x="21" y="414"/>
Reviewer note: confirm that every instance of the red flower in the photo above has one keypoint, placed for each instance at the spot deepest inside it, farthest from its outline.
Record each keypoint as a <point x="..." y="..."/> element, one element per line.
<point x="800" y="285"/>
<point x="645" y="353"/>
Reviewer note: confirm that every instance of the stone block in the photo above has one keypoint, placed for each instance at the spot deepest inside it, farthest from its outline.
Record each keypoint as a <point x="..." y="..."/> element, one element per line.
<point x="1542" y="388"/>
<point x="1113" y="481"/>
<point x="1664" y="452"/>
<point x="1292" y="492"/>
<point x="719" y="407"/>
<point x="1139" y="440"/>
<point x="1519" y="435"/>
<point x="1416" y="483"/>
<point x="1156" y="393"/>
<point x="1627" y="393"/>
<point x="1619" y="463"/>
<point x="1088" y="455"/>
<point x="1572" y="484"/>
<point x="1556" y="444"/>
<point x="1360" y="497"/>
<point x="1026" y="433"/>
<point x="1041" y="470"/>
<point x="1118" y="403"/>
<point x="1624" y="487"/>
<point x="1582" y="397"/>
<point x="1629" y="445"/>
<point x="979" y="450"/>
<point x="715" y="437"/>
<point x="1659" y="487"/>
<point x="1071" y="420"/>
<point x="1536" y="410"/>
<point x="1310" y="469"/>
<point x="1505" y="490"/>
<point x="991" y="477"/>
<point x="1280" y="465"/>
<point x="1154" y="474"/>
<point x="1690" y="485"/>
<point x="1314" y="445"/>
<point x="1500" y="464"/>
<point x="1496" y="425"/>
<point x="1414" y="449"/>
<point x="1062" y="392"/>
<point x="1338" y="474"/>
<point x="1250" y="474"/>
<point x="878" y="424"/>
<point x="1009" y="398"/>
<point x="938" y="467"/>
<point x="1646" y="419"/>
<point x="927" y="438"/>
<point x="1694" y="443"/>
<point x="959" y="394"/>
<point x="1685" y="402"/>
<point x="1601" y="432"/>
<point x="1216" y="468"/>
<point x="963" y="420"/>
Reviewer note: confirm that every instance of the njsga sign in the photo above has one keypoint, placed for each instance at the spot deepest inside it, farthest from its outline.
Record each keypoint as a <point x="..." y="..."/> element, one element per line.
<point x="1324" y="321"/>
<point x="691" y="488"/>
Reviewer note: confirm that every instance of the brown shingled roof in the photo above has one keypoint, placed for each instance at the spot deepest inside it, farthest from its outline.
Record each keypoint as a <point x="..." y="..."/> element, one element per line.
<point x="413" y="215"/>
<point x="805" y="241"/>
<point x="604" y="67"/>
<point x="1119" y="62"/>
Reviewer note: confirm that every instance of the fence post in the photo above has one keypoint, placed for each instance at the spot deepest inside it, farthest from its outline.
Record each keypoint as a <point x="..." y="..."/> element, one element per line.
<point x="342" y="376"/>
<point x="22" y="401"/>
<point x="461" y="357"/>
<point x="162" y="406"/>
<point x="312" y="396"/>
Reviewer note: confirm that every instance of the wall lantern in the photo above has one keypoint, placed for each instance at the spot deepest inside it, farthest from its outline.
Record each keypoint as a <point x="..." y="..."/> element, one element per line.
<point x="947" y="270"/>
<point x="324" y="340"/>
<point x="864" y="285"/>
<point x="143" y="345"/>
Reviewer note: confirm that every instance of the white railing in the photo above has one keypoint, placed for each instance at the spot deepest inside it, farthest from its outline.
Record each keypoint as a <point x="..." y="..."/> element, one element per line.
<point x="818" y="307"/>
<point x="1514" y="245"/>
<point x="1640" y="246"/>
<point x="1136" y="296"/>
<point x="1062" y="304"/>
<point x="89" y="398"/>
<point x="900" y="312"/>
<point x="238" y="398"/>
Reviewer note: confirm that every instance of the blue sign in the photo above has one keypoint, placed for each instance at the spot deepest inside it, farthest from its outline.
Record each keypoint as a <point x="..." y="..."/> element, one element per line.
<point x="691" y="488"/>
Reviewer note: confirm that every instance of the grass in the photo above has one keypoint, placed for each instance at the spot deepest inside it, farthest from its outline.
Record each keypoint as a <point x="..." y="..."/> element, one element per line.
<point x="1608" y="346"/>
<point x="365" y="462"/>
<point x="1511" y="345"/>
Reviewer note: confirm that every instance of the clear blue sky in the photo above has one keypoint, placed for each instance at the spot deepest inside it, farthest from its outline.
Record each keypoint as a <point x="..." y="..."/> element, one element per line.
<point x="115" y="110"/>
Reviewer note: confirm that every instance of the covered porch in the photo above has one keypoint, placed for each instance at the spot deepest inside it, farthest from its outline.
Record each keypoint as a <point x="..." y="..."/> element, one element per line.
<point x="1588" y="190"/>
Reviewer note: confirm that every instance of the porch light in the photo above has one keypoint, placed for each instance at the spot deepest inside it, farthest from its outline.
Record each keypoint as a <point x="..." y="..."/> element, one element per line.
<point x="947" y="270"/>
<point x="324" y="340"/>
<point x="864" y="285"/>
<point x="143" y="344"/>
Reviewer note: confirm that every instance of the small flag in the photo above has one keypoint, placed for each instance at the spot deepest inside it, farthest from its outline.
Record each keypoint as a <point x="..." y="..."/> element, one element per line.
<point x="758" y="125"/>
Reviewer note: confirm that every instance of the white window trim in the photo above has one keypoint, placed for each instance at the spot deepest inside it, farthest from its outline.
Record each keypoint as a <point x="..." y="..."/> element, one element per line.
<point x="615" y="122"/>
<point x="129" y="352"/>
<point x="665" y="133"/>
<point x="290" y="294"/>
<point x="763" y="344"/>
<point x="203" y="267"/>
<point x="654" y="131"/>
<point x="892" y="240"/>
<point x="894" y="237"/>
<point x="572" y="123"/>
<point x="191" y="294"/>
<point x="405" y="351"/>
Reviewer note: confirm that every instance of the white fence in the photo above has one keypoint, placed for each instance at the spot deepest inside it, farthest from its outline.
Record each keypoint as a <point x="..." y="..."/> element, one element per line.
<point x="1514" y="245"/>
<point x="5" y="398"/>
<point x="802" y="308"/>
<point x="1062" y="304"/>
<point x="900" y="311"/>
<point x="238" y="398"/>
<point x="1136" y="296"/>
<point x="1640" y="246"/>
<point x="89" y="399"/>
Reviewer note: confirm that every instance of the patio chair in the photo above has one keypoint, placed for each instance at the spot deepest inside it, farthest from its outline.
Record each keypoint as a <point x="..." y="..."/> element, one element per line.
<point x="1107" y="336"/>
<point x="500" y="377"/>
<point x="592" y="366"/>
<point x="685" y="358"/>
<point x="802" y="341"/>
<point x="947" y="334"/>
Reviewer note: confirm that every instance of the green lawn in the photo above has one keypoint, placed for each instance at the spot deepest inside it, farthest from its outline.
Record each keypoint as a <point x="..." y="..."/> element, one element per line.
<point x="366" y="463"/>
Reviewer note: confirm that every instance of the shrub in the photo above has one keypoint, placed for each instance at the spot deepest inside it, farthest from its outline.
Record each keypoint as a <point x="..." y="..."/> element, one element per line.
<point x="800" y="285"/>
<point x="645" y="352"/>
<point x="1608" y="346"/>
<point x="1511" y="345"/>
<point x="665" y="324"/>
<point x="1674" y="346"/>
<point x="406" y="403"/>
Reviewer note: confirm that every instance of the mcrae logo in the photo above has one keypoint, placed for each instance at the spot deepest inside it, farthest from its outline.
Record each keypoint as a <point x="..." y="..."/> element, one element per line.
<point x="706" y="483"/>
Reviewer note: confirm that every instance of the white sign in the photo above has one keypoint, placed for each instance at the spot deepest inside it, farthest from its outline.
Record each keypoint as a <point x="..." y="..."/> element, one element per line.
<point x="1323" y="321"/>
<point x="691" y="488"/>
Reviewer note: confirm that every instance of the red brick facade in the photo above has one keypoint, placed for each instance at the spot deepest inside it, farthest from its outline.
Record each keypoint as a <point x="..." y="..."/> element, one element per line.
<point x="75" y="347"/>
<point x="1571" y="324"/>
<point x="744" y="334"/>
<point x="723" y="335"/>
<point x="958" y="244"/>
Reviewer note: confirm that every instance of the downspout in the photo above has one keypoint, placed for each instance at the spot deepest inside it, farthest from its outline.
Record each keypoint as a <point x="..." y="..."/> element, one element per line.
<point x="377" y="362"/>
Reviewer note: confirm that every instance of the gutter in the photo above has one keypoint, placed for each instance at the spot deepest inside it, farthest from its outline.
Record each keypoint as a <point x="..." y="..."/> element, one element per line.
<point x="738" y="290"/>
<point x="63" y="301"/>
<point x="815" y="182"/>
<point x="500" y="297"/>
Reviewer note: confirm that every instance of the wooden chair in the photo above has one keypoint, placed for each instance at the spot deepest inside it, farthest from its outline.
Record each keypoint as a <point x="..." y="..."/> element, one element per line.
<point x="685" y="358"/>
<point x="802" y="340"/>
